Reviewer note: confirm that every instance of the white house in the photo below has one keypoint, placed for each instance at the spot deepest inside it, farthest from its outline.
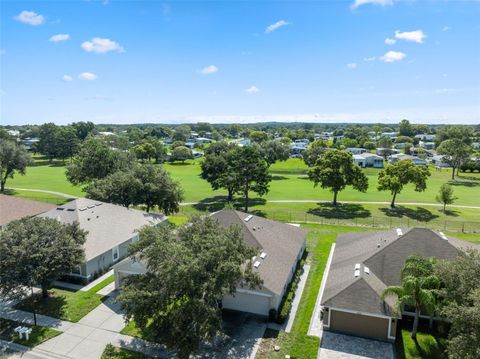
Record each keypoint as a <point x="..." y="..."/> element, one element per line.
<point x="279" y="247"/>
<point x="425" y="137"/>
<point x="416" y="160"/>
<point x="368" y="160"/>
<point x="427" y="145"/>
<point x="356" y="150"/>
<point x="438" y="161"/>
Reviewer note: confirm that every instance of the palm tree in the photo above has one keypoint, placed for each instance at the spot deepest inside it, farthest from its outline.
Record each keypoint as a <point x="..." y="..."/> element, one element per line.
<point x="417" y="289"/>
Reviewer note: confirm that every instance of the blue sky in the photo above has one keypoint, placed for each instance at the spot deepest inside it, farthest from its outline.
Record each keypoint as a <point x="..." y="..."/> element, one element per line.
<point x="240" y="61"/>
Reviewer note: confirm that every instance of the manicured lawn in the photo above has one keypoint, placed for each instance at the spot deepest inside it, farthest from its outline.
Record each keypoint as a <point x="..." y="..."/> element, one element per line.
<point x="66" y="304"/>
<point x="368" y="215"/>
<point x="39" y="334"/>
<point x="287" y="175"/>
<point x="112" y="352"/>
<point x="296" y="343"/>
<point x="472" y="237"/>
<point x="39" y="196"/>
<point x="426" y="346"/>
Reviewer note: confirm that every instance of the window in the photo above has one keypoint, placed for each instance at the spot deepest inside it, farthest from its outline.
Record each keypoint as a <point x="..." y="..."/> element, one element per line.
<point x="77" y="270"/>
<point x="115" y="253"/>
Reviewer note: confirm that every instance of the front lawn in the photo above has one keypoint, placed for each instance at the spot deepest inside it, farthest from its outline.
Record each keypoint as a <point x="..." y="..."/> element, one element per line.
<point x="427" y="346"/>
<point x="112" y="352"/>
<point x="38" y="335"/>
<point x="66" y="304"/>
<point x="296" y="343"/>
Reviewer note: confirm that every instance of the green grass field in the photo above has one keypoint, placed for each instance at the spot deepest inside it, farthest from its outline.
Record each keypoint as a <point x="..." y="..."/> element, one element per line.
<point x="66" y="304"/>
<point x="112" y="352"/>
<point x="289" y="183"/>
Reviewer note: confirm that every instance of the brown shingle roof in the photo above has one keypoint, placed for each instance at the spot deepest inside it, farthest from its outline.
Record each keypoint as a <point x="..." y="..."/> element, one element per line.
<point x="281" y="242"/>
<point x="13" y="208"/>
<point x="384" y="253"/>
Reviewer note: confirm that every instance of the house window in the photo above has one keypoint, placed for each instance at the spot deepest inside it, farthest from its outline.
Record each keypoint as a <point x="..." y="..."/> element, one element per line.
<point x="115" y="253"/>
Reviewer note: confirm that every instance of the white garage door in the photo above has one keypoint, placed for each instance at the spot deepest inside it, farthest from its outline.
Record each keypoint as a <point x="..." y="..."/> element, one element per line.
<point x="246" y="302"/>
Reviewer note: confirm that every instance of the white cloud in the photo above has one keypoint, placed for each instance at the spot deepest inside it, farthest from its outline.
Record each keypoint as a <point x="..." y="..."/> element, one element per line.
<point x="67" y="78"/>
<point x="369" y="59"/>
<point x="271" y="28"/>
<point x="393" y="56"/>
<point x="208" y="70"/>
<point x="30" y="17"/>
<point x="358" y="3"/>
<point x="446" y="28"/>
<point x="252" y="90"/>
<point x="101" y="46"/>
<point x="414" y="36"/>
<point x="87" y="76"/>
<point x="389" y="41"/>
<point x="352" y="66"/>
<point x="59" y="37"/>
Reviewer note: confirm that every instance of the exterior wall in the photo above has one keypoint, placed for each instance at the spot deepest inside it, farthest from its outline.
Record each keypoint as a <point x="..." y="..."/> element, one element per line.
<point x="105" y="260"/>
<point x="360" y="325"/>
<point x="256" y="302"/>
<point x="393" y="327"/>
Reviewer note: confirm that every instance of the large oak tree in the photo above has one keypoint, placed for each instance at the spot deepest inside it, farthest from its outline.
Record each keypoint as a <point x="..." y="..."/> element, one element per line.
<point x="395" y="176"/>
<point x="189" y="271"/>
<point x="335" y="171"/>
<point x="13" y="158"/>
<point x="36" y="251"/>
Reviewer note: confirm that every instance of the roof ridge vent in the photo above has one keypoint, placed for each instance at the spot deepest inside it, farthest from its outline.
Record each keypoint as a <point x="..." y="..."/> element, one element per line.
<point x="247" y="218"/>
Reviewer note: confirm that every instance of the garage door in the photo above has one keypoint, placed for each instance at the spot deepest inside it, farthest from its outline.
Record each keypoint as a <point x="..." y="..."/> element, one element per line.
<point x="246" y="302"/>
<point x="361" y="325"/>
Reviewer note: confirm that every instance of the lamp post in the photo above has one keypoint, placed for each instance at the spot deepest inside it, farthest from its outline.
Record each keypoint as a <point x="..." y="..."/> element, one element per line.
<point x="34" y="312"/>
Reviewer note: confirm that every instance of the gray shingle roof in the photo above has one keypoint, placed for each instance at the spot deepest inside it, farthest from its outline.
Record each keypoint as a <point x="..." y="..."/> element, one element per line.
<point x="108" y="225"/>
<point x="281" y="242"/>
<point x="384" y="253"/>
<point x="13" y="208"/>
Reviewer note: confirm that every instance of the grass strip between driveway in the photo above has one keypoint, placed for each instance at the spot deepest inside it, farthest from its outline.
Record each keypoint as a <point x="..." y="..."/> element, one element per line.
<point x="66" y="304"/>
<point x="37" y="336"/>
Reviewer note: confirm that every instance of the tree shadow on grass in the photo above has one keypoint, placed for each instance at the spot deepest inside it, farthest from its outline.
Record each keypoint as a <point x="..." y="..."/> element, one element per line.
<point x="419" y="214"/>
<point x="217" y="203"/>
<point x="464" y="183"/>
<point x="279" y="178"/>
<point x="450" y="212"/>
<point x="342" y="210"/>
<point x="468" y="178"/>
<point x="53" y="305"/>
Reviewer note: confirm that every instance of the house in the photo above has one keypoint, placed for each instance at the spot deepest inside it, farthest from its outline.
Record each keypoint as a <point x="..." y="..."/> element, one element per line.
<point x="279" y="248"/>
<point x="13" y="208"/>
<point x="382" y="151"/>
<point x="30" y="142"/>
<point x="438" y="161"/>
<point x="356" y="150"/>
<point x="425" y="137"/>
<point x="398" y="157"/>
<point x="363" y="265"/>
<point x="427" y="145"/>
<point x="368" y="160"/>
<point x="111" y="228"/>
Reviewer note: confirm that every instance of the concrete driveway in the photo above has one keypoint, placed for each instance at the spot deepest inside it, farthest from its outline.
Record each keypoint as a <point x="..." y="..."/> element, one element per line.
<point x="243" y="332"/>
<point x="340" y="346"/>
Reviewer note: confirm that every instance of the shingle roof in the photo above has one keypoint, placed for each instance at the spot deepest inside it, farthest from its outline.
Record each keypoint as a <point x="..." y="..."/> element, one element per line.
<point x="281" y="242"/>
<point x="13" y="208"/>
<point x="384" y="254"/>
<point x="108" y="225"/>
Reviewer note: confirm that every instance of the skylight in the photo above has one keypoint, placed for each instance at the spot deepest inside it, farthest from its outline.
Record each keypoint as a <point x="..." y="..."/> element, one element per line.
<point x="256" y="264"/>
<point x="399" y="232"/>
<point x="357" y="273"/>
<point x="249" y="217"/>
<point x="357" y="266"/>
<point x="263" y="255"/>
<point x="366" y="270"/>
